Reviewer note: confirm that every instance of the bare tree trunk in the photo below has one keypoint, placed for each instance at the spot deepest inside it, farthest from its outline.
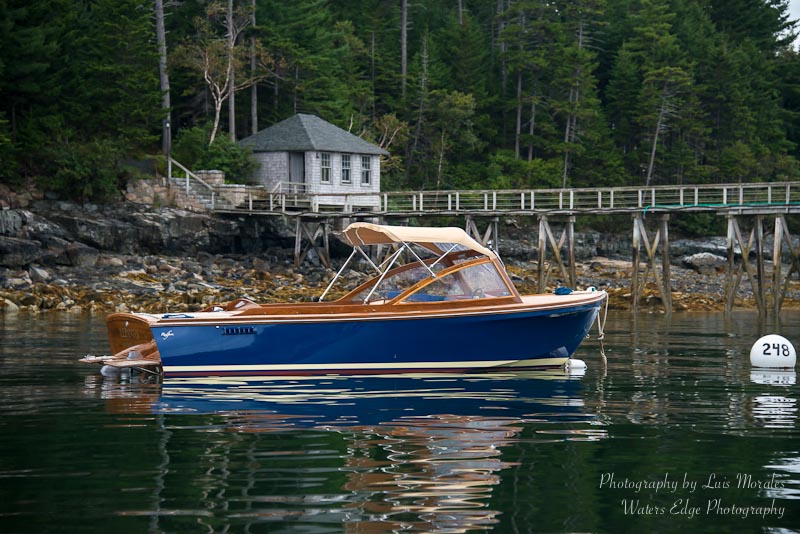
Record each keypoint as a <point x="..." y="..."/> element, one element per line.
<point x="460" y="12"/>
<point x="296" y="83"/>
<point x="572" y="116"/>
<point x="531" y="127"/>
<point x="275" y="93"/>
<point x="217" y="114"/>
<point x="500" y="27"/>
<point x="372" y="74"/>
<point x="518" y="129"/>
<point x="231" y="75"/>
<point x="659" y="122"/>
<point x="423" y="93"/>
<point x="568" y="136"/>
<point x="163" y="76"/>
<point x="441" y="162"/>
<point x="403" y="46"/>
<point x="254" y="87"/>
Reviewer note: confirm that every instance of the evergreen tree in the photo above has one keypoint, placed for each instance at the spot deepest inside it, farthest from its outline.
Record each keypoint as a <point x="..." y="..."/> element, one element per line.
<point x="574" y="75"/>
<point x="529" y="36"/>
<point x="29" y="36"/>
<point x="464" y="52"/>
<point x="112" y="69"/>
<point x="544" y="92"/>
<point x="321" y="62"/>
<point x="649" y="87"/>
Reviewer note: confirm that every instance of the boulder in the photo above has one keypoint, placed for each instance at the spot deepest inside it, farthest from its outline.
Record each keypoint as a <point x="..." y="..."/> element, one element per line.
<point x="99" y="231"/>
<point x="109" y="261"/>
<point x="81" y="255"/>
<point x="38" y="274"/>
<point x="16" y="281"/>
<point x="8" y="306"/>
<point x="10" y="222"/>
<point x="259" y="264"/>
<point x="705" y="262"/>
<point x="55" y="251"/>
<point x="16" y="252"/>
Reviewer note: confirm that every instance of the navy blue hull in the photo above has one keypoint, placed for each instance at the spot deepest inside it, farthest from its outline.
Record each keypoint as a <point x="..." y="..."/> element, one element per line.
<point x="504" y="398"/>
<point x="465" y="342"/>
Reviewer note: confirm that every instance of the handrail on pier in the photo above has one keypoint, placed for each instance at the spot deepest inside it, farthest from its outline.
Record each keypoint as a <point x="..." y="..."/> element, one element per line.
<point x="706" y="197"/>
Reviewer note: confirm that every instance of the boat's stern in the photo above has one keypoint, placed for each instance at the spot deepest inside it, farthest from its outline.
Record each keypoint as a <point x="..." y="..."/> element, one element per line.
<point x="126" y="330"/>
<point x="132" y="344"/>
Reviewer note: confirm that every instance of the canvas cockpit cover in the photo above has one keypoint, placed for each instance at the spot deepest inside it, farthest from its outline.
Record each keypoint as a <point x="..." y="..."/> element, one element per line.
<point x="361" y="233"/>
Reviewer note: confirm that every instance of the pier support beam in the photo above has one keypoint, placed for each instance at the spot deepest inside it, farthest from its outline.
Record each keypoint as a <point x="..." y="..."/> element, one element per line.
<point x="567" y="238"/>
<point x="312" y="231"/>
<point x="759" y="281"/>
<point x="732" y="282"/>
<point x="489" y="238"/>
<point x="782" y="235"/>
<point x="639" y="280"/>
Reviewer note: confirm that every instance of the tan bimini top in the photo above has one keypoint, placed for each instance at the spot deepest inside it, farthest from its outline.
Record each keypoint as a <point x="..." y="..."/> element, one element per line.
<point x="361" y="233"/>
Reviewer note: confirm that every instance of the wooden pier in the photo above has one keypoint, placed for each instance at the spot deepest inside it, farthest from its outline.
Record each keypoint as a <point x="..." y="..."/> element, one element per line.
<point x="751" y="205"/>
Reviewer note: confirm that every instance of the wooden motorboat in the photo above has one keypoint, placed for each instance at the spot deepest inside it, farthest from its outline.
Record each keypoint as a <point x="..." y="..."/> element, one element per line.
<point x="439" y="301"/>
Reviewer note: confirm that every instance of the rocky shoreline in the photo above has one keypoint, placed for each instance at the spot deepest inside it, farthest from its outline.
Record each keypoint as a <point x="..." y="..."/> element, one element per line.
<point x="90" y="259"/>
<point x="162" y="284"/>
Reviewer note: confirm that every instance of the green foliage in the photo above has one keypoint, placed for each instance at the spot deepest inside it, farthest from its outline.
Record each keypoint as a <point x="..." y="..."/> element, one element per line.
<point x="502" y="94"/>
<point x="191" y="145"/>
<point x="507" y="172"/>
<point x="697" y="224"/>
<point x="192" y="149"/>
<point x="7" y="161"/>
<point x="320" y="61"/>
<point x="111" y="77"/>
<point x="83" y="171"/>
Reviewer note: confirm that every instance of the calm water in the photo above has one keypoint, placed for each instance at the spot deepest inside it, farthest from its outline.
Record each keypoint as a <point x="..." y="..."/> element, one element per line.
<point x="676" y="433"/>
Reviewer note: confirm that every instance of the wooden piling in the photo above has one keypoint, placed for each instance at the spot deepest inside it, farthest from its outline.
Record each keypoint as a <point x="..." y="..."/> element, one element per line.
<point x="635" y="264"/>
<point x="665" y="262"/>
<point x="570" y="229"/>
<point x="781" y="284"/>
<point x="567" y="238"/>
<point x="489" y="238"/>
<point x="761" y="282"/>
<point x="777" y="296"/>
<point x="732" y="286"/>
<point x="312" y="231"/>
<point x="662" y="282"/>
<point x="542" y="252"/>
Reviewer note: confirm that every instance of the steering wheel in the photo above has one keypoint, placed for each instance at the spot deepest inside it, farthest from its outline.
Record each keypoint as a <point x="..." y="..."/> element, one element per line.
<point x="478" y="293"/>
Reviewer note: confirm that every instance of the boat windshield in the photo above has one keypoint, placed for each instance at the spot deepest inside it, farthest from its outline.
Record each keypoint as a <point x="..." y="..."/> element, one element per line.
<point x="395" y="282"/>
<point x="478" y="280"/>
<point x="472" y="282"/>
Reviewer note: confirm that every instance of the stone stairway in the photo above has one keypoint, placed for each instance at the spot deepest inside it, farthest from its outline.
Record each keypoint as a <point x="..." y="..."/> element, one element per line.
<point x="198" y="197"/>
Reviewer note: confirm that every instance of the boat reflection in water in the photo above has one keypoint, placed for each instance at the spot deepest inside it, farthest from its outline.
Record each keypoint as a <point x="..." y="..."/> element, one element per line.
<point x="410" y="453"/>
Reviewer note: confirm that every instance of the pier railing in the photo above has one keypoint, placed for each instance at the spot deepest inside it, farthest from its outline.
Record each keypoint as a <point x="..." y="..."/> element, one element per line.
<point x="710" y="197"/>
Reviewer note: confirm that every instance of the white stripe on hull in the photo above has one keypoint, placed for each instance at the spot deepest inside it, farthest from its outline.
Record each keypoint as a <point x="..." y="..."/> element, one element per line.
<point x="537" y="362"/>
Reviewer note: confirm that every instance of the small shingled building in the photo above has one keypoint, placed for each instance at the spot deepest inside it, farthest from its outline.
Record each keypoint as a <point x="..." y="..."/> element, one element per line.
<point x="305" y="154"/>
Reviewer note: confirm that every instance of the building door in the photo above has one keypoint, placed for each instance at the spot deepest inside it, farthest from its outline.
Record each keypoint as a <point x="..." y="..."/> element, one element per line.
<point x="297" y="169"/>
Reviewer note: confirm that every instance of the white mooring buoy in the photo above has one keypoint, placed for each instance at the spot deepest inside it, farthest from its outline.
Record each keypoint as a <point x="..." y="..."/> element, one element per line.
<point x="575" y="367"/>
<point x="773" y="351"/>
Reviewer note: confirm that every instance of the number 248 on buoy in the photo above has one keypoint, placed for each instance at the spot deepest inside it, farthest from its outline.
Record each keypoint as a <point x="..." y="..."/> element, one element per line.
<point x="773" y="351"/>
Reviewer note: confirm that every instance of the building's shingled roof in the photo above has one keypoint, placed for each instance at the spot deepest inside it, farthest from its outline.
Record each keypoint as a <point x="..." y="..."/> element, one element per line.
<point x="303" y="133"/>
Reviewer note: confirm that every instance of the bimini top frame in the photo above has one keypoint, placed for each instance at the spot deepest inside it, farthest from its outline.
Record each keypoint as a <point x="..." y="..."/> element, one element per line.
<point x="439" y="241"/>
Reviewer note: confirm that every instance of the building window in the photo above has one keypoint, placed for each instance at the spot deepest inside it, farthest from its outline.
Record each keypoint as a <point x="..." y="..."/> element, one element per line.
<point x="326" y="169"/>
<point x="366" y="170"/>
<point x="345" y="168"/>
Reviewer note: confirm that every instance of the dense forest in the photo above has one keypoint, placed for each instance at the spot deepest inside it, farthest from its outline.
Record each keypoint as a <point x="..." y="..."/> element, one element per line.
<point x="463" y="93"/>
